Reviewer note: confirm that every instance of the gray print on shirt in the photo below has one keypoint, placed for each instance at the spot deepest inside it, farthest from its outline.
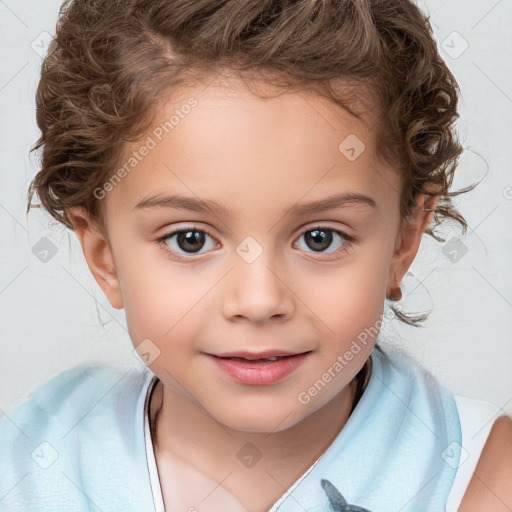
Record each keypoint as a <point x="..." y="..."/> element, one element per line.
<point x="337" y="501"/>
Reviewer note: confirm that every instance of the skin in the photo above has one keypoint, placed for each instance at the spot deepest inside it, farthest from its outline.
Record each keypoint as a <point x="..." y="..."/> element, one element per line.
<point x="256" y="156"/>
<point x="490" y="488"/>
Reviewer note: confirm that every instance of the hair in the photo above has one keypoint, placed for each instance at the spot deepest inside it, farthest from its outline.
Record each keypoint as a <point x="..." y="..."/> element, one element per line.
<point x="112" y="61"/>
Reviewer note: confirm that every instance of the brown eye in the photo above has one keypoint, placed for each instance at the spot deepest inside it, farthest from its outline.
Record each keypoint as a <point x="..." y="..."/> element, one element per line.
<point x="319" y="239"/>
<point x="190" y="241"/>
<point x="186" y="241"/>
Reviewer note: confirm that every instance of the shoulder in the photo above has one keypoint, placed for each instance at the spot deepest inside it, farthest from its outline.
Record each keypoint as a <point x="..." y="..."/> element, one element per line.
<point x="83" y="425"/>
<point x="67" y="396"/>
<point x="490" y="487"/>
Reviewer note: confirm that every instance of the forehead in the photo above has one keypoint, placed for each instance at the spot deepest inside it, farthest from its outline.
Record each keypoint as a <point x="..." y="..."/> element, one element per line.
<point x="222" y="141"/>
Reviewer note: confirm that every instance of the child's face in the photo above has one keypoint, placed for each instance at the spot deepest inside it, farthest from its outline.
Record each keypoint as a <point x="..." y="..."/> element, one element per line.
<point x="262" y="280"/>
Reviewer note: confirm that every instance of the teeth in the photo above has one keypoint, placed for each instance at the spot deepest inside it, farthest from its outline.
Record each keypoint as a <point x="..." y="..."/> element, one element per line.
<point x="273" y="358"/>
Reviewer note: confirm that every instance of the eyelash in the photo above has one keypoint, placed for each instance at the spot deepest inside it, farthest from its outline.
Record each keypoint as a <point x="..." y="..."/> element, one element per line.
<point x="161" y="240"/>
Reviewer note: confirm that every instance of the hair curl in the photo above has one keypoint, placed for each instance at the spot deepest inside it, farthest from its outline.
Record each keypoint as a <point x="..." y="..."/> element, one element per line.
<point x="112" y="60"/>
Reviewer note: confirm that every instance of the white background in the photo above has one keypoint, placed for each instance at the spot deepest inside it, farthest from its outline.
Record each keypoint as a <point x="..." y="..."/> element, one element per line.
<point x="54" y="315"/>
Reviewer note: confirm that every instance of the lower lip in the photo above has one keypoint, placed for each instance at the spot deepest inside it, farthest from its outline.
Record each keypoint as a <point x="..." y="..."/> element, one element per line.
<point x="261" y="373"/>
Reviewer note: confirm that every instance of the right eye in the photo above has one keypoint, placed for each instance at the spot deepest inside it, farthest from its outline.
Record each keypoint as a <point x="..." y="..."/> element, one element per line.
<point x="189" y="239"/>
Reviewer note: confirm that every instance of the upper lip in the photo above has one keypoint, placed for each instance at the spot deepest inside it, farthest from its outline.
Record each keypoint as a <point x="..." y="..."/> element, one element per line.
<point x="257" y="355"/>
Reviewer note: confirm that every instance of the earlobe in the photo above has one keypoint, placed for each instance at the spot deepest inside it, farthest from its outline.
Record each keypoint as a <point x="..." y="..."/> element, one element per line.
<point x="98" y="254"/>
<point x="409" y="238"/>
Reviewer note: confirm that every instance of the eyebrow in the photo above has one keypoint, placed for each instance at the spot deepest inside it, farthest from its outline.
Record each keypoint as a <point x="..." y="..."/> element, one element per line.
<point x="201" y="205"/>
<point x="331" y="202"/>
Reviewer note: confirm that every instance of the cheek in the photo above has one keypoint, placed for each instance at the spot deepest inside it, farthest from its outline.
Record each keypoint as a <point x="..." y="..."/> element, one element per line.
<point x="161" y="299"/>
<point x="355" y="288"/>
<point x="162" y="315"/>
<point x="346" y="304"/>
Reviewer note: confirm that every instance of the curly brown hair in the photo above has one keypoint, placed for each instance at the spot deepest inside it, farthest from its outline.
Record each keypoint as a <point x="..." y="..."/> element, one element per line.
<point x="112" y="61"/>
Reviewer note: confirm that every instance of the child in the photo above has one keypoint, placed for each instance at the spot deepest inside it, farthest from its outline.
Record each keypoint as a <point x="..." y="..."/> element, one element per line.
<point x="262" y="129"/>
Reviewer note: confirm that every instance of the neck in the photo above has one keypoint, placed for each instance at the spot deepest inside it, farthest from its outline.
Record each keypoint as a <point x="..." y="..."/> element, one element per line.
<point x="178" y="425"/>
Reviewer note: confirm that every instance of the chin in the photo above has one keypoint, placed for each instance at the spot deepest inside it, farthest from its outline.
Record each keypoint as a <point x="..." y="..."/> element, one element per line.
<point x="257" y="423"/>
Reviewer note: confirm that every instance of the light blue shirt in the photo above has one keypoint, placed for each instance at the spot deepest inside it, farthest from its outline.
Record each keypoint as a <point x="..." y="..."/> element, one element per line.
<point x="77" y="444"/>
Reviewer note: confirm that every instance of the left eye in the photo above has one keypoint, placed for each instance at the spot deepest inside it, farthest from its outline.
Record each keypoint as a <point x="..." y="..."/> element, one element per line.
<point x="320" y="238"/>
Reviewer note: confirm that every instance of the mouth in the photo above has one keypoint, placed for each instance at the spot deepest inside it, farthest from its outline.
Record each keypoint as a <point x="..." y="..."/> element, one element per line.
<point x="260" y="360"/>
<point x="259" y="371"/>
<point x="269" y="355"/>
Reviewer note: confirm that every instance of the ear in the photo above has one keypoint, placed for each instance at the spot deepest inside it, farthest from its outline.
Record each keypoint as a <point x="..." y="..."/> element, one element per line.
<point x="98" y="254"/>
<point x="409" y="238"/>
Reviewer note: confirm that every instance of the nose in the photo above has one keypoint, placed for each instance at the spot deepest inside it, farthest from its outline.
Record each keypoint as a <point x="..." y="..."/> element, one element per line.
<point x="258" y="292"/>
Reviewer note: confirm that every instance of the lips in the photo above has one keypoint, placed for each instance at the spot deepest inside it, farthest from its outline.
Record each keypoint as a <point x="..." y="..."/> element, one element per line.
<point x="260" y="359"/>
<point x="261" y="369"/>
<point x="251" y="356"/>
